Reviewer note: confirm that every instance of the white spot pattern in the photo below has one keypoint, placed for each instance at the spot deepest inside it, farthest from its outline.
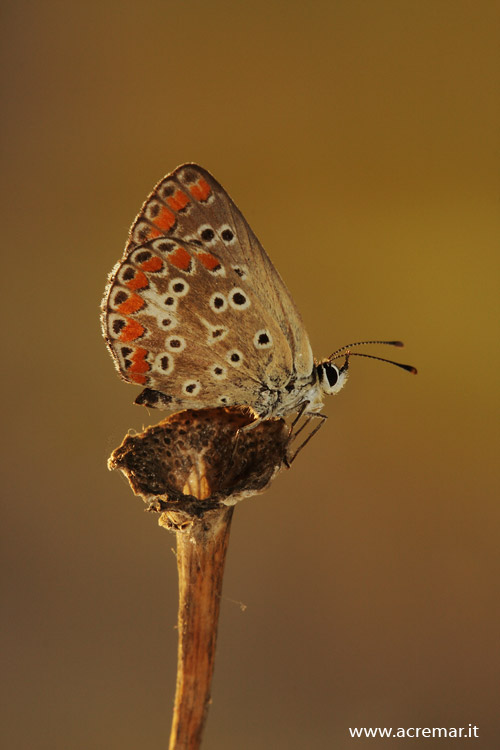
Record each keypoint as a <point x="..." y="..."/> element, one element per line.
<point x="178" y="287"/>
<point x="234" y="357"/>
<point x="263" y="339"/>
<point x="218" y="372"/>
<point x="218" y="302"/>
<point x="191" y="387"/>
<point x="238" y="299"/>
<point x="164" y="364"/>
<point x="175" y="344"/>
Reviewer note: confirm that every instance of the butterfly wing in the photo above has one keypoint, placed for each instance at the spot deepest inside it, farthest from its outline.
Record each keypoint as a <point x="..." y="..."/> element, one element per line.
<point x="195" y="310"/>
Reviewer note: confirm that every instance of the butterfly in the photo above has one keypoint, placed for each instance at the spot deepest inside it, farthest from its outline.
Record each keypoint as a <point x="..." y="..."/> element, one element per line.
<point x="197" y="314"/>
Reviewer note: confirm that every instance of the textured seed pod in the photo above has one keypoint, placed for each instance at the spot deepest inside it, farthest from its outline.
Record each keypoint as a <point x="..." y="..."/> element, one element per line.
<point x="196" y="461"/>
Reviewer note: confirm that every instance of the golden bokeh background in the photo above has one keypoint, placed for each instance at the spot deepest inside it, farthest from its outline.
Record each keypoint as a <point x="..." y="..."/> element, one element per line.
<point x="361" y="142"/>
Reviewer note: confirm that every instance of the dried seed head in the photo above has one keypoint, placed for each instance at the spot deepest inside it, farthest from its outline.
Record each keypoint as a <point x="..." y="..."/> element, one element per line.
<point x="195" y="461"/>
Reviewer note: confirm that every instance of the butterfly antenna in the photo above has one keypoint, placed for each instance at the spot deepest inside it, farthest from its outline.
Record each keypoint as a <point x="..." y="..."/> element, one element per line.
<point x="363" y="343"/>
<point x="408" y="368"/>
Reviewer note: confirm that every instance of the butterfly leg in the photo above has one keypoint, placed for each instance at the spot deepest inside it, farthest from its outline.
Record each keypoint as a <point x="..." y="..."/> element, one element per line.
<point x="306" y="421"/>
<point x="300" y="412"/>
<point x="291" y="435"/>
<point x="239" y="431"/>
<point x="321" y="417"/>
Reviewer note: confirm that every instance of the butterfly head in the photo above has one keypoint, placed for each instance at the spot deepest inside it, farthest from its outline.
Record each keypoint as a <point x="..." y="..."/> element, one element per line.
<point x="330" y="377"/>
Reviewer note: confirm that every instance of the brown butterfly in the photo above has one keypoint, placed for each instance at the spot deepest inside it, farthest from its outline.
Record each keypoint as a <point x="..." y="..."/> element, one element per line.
<point x="197" y="314"/>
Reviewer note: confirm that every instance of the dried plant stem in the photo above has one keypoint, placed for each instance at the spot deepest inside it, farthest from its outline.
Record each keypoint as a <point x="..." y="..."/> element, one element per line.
<point x="185" y="468"/>
<point x="201" y="554"/>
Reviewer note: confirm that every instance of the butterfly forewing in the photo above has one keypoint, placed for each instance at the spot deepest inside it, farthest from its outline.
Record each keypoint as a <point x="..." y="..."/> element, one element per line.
<point x="195" y="309"/>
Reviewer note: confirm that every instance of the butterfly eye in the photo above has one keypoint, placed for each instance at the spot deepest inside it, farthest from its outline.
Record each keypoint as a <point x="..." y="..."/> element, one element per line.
<point x="332" y="374"/>
<point x="331" y="379"/>
<point x="328" y="376"/>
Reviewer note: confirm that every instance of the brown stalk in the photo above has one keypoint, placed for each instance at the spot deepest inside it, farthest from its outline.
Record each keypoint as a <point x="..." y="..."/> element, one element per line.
<point x="192" y="468"/>
<point x="201" y="554"/>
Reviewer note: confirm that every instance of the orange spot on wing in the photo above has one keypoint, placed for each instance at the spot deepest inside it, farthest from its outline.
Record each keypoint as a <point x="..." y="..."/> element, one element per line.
<point x="180" y="258"/>
<point x="137" y="377"/>
<point x="209" y="261"/>
<point x="138" y="282"/>
<point x="132" y="331"/>
<point x="153" y="232"/>
<point x="178" y="200"/>
<point x="152" y="264"/>
<point x="139" y="363"/>
<point x="200" y="190"/>
<point x="131" y="305"/>
<point x="165" y="219"/>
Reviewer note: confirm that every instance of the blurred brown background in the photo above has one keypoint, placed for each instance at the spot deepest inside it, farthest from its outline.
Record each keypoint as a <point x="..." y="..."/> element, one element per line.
<point x="361" y="141"/>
